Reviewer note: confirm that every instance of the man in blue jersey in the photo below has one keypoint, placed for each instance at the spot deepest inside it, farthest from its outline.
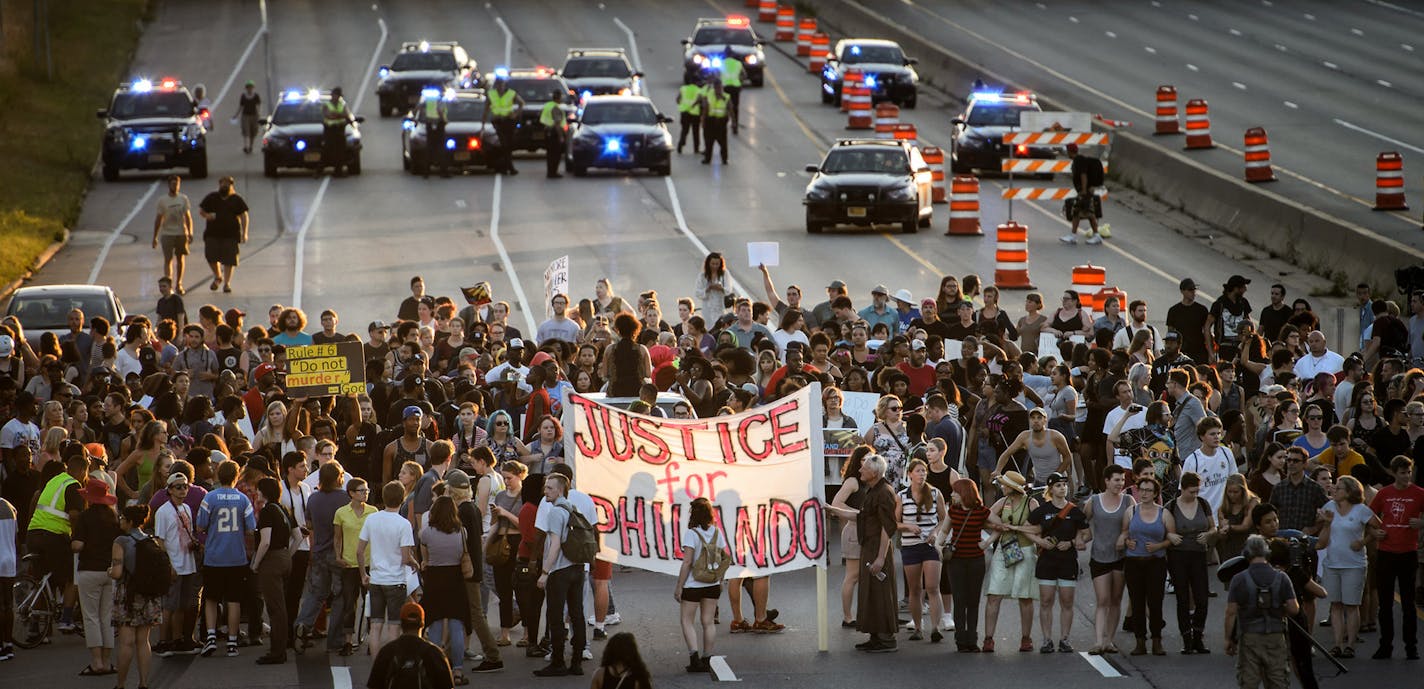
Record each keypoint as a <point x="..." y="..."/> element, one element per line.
<point x="228" y="518"/>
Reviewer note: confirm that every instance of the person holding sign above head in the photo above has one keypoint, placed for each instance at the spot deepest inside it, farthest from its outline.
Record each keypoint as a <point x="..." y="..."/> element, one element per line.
<point x="705" y="558"/>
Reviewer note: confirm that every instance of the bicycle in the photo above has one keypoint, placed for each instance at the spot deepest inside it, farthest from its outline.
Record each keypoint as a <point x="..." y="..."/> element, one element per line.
<point x="36" y="605"/>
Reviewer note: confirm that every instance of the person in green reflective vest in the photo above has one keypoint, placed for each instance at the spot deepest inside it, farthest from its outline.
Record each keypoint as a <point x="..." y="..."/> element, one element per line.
<point x="433" y="112"/>
<point x="689" y="109"/>
<point x="503" y="112"/>
<point x="335" y="115"/>
<point x="556" y="126"/>
<point x="51" y="526"/>
<point x="715" y="104"/>
<point x="732" y="72"/>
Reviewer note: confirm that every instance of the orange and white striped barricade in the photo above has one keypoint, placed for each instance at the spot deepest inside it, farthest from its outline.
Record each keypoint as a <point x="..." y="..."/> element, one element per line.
<point x="1087" y="281"/>
<point x="858" y="110"/>
<point x="934" y="158"/>
<point x="1041" y="166"/>
<point x="964" y="207"/>
<point x="850" y="79"/>
<point x="906" y="132"/>
<point x="1011" y="257"/>
<point x="785" y="24"/>
<point x="887" y="116"/>
<point x="1389" y="182"/>
<point x="766" y="11"/>
<point x="1167" y="122"/>
<point x="820" y="50"/>
<point x="1258" y="156"/>
<point x="1109" y="122"/>
<point x="1198" y="125"/>
<point x="804" y="30"/>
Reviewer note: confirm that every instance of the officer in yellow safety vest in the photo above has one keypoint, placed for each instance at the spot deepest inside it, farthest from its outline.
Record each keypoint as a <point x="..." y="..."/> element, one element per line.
<point x="689" y="108"/>
<point x="556" y="126"/>
<point x="334" y="118"/>
<point x="503" y="112"/>
<point x="732" y="71"/>
<point x="714" y="121"/>
<point x="56" y="510"/>
<point x="434" y="113"/>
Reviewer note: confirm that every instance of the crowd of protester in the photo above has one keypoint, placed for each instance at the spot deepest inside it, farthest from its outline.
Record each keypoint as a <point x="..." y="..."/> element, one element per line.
<point x="432" y="501"/>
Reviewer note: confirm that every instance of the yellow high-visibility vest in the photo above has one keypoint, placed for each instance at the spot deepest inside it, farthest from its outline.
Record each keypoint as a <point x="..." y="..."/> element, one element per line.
<point x="501" y="104"/>
<point x="687" y="101"/>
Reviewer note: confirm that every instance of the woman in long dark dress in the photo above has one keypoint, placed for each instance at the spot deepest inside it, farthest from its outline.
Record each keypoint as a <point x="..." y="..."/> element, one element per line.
<point x="875" y="525"/>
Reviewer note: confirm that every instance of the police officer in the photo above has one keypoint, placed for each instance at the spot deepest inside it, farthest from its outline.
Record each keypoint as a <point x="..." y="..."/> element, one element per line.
<point x="503" y="112"/>
<point x="714" y="107"/>
<point x="51" y="526"/>
<point x="434" y="114"/>
<point x="689" y="108"/>
<point x="732" y="71"/>
<point x="556" y="128"/>
<point x="334" y="118"/>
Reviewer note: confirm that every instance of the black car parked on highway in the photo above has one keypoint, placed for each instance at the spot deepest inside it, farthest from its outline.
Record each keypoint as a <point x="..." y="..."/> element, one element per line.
<point x="890" y="75"/>
<point x="869" y="182"/>
<point x="622" y="133"/>
<point x="292" y="135"/>
<point x="154" y="125"/>
<point x="468" y="137"/>
<point x="714" y="39"/>
<point x="420" y="66"/>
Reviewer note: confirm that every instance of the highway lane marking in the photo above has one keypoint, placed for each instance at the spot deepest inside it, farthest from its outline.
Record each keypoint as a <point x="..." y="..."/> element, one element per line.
<point x="1073" y="19"/>
<point x="1234" y="32"/>
<point x="1384" y="83"/>
<point x="1330" y="65"/>
<point x="340" y="677"/>
<point x="633" y="44"/>
<point x="1310" y="16"/>
<point x="261" y="31"/>
<point x="1239" y="85"/>
<point x="1281" y="48"/>
<point x="1192" y="67"/>
<point x="119" y="229"/>
<point x="504" y="256"/>
<point x="1103" y="667"/>
<point x="1084" y="87"/>
<point x="1110" y="34"/>
<point x="1378" y="135"/>
<point x="300" y="250"/>
<point x="1150" y="49"/>
<point x="1193" y="17"/>
<point x="1357" y="32"/>
<point x="721" y="671"/>
<point x="1291" y="105"/>
<point x="1396" y="8"/>
<point x="691" y="237"/>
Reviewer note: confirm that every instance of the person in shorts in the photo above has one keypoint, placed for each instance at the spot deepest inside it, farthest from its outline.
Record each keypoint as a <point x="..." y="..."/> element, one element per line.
<point x="226" y="214"/>
<point x="697" y="600"/>
<point x="249" y="113"/>
<point x="173" y="230"/>
<point x="228" y="518"/>
<point x="1062" y="532"/>
<point x="386" y="547"/>
<point x="173" y="523"/>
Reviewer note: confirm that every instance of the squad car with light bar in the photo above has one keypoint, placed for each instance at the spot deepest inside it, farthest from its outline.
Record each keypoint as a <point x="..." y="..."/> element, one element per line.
<point x="600" y="72"/>
<point x="537" y="86"/>
<point x="468" y="137"/>
<point x="978" y="140"/>
<point x="890" y="75"/>
<point x="419" y="66"/>
<point x="622" y="133"/>
<point x="713" y="39"/>
<point x="154" y="125"/>
<point x="293" y="134"/>
<point x="869" y="182"/>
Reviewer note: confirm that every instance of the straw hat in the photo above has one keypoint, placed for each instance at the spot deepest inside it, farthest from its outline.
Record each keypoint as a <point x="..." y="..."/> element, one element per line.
<point x="1013" y="481"/>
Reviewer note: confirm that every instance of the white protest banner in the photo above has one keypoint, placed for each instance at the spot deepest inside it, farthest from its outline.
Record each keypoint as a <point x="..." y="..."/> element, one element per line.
<point x="764" y="254"/>
<point x="1047" y="345"/>
<point x="758" y="468"/>
<point x="861" y="407"/>
<point x="556" y="281"/>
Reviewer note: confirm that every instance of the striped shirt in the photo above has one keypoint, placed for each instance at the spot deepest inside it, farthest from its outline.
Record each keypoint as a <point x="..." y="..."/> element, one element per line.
<point x="910" y="513"/>
<point x="965" y="525"/>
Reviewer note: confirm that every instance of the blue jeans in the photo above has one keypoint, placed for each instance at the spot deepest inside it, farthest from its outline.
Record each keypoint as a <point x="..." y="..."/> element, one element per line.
<point x="324" y="583"/>
<point x="454" y="646"/>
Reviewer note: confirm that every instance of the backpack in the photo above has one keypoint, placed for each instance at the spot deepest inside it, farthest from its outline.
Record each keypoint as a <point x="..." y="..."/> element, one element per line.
<point x="711" y="562"/>
<point x="407" y="672"/>
<point x="153" y="571"/>
<point x="581" y="540"/>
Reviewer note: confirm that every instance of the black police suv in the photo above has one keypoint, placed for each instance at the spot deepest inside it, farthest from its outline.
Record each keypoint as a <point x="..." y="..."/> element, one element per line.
<point x="154" y="125"/>
<point x="537" y="86"/>
<point x="468" y="139"/>
<point x="890" y="75"/>
<point x="869" y="182"/>
<point x="620" y="132"/>
<point x="293" y="134"/>
<point x="419" y="66"/>
<point x="978" y="140"/>
<point x="600" y="72"/>
<point x="715" y="39"/>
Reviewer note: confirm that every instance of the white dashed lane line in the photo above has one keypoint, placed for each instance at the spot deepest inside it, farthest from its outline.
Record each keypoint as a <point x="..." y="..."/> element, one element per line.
<point x="1234" y="32"/>
<point x="1150" y="49"/>
<point x="1110" y="34"/>
<point x="1291" y="105"/>
<point x="1193" y="67"/>
<point x="1330" y="65"/>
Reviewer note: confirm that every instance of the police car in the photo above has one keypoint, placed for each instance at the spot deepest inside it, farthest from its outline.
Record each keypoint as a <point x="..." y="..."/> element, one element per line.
<point x="154" y="125"/>
<point x="713" y="39"/>
<point x="537" y="86"/>
<point x="868" y="182"/>
<point x="419" y="66"/>
<point x="890" y="75"/>
<point x="293" y="134"/>
<point x="600" y="72"/>
<point x="978" y="140"/>
<point x="620" y="132"/>
<point x="468" y="138"/>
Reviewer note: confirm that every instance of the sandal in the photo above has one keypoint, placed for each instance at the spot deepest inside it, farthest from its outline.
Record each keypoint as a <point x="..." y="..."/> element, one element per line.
<point x="503" y="642"/>
<point x="89" y="671"/>
<point x="521" y="643"/>
<point x="216" y="283"/>
<point x="1335" y="652"/>
<point x="1347" y="652"/>
<point x="461" y="680"/>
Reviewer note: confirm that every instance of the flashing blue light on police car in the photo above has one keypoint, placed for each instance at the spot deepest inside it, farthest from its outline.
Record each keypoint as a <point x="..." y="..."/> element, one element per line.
<point x="301" y="145"/>
<point x="584" y="95"/>
<point x="870" y="81"/>
<point x="408" y="125"/>
<point x="139" y="143"/>
<point x="501" y="72"/>
<point x="613" y="145"/>
<point x="717" y="63"/>
<point x="450" y="144"/>
<point x="384" y="72"/>
<point x="292" y="95"/>
<point x="430" y="93"/>
<point x="142" y="86"/>
<point x="855" y="50"/>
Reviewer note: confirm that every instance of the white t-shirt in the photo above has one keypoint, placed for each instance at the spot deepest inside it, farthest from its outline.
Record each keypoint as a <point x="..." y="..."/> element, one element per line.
<point x="17" y="433"/>
<point x="168" y="525"/>
<point x="1309" y="365"/>
<point x="1137" y="420"/>
<point x="9" y="527"/>
<point x="298" y="509"/>
<point x="581" y="502"/>
<point x="1213" y="470"/>
<point x="386" y="533"/>
<point x="692" y="540"/>
<point x="125" y="363"/>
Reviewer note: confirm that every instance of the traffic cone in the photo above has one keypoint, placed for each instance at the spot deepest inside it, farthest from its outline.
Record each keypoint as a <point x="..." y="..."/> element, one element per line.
<point x="1258" y="156"/>
<point x="1389" y="182"/>
<point x="1198" y="125"/>
<point x="804" y="30"/>
<point x="934" y="157"/>
<point x="887" y="116"/>
<point x="785" y="24"/>
<point x="906" y="132"/>
<point x="766" y="11"/>
<point x="820" y="50"/>
<point x="964" y="207"/>
<point x="1011" y="257"/>
<point x="1087" y="281"/>
<point x="1167" y="111"/>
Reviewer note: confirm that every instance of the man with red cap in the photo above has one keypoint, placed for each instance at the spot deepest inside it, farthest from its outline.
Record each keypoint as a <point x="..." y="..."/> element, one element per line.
<point x="265" y="375"/>
<point x="401" y="663"/>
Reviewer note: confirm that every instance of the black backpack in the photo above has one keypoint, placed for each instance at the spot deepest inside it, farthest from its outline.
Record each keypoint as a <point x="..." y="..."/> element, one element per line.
<point x="580" y="544"/>
<point x="407" y="672"/>
<point x="153" y="572"/>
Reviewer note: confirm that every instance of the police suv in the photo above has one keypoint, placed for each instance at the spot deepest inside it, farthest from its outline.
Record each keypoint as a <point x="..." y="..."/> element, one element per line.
<point x="419" y="66"/>
<point x="154" y="125"/>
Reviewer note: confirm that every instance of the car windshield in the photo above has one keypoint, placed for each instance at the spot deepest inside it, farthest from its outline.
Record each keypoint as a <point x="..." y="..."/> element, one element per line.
<point x="408" y="62"/>
<point x="714" y="35"/>
<point x="538" y="91"/>
<point x="620" y="113"/>
<point x="129" y="105"/>
<point x="612" y="67"/>
<point x="997" y="115"/>
<point x="297" y="112"/>
<point x="51" y="311"/>
<point x="465" y="110"/>
<point x="857" y="54"/>
<point x="852" y="160"/>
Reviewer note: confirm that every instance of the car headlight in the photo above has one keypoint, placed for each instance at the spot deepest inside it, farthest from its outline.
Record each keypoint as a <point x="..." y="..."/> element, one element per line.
<point x="698" y="59"/>
<point x="751" y="59"/>
<point x="818" y="193"/>
<point x="905" y="193"/>
<point x="667" y="139"/>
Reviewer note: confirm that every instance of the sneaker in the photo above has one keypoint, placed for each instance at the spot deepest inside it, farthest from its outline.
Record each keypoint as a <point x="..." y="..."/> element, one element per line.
<point x="552" y="670"/>
<point x="231" y="650"/>
<point x="1170" y="590"/>
<point x="946" y="622"/>
<point x="1069" y="239"/>
<point x="739" y="626"/>
<point x="489" y="666"/>
<point x="884" y="648"/>
<point x="1094" y="239"/>
<point x="7" y="652"/>
<point x="1047" y="647"/>
<point x="186" y="647"/>
<point x="599" y="634"/>
<point x="163" y="649"/>
<point x="210" y="646"/>
<point x="66" y="627"/>
<point x="917" y="636"/>
<point x="587" y="655"/>
<point x="766" y="626"/>
<point x="612" y="619"/>
<point x="1064" y="646"/>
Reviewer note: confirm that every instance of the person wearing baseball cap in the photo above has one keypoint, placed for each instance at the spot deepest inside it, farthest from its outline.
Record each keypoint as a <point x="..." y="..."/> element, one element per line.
<point x="1189" y="318"/>
<point x="410" y="653"/>
<point x="266" y="383"/>
<point x="1226" y="314"/>
<point x="879" y="310"/>
<point x="822" y="312"/>
<point x="1062" y="532"/>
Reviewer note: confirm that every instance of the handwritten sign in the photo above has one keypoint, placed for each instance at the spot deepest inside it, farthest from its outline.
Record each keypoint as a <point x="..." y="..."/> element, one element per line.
<point x="326" y="369"/>
<point x="556" y="281"/>
<point x="759" y="468"/>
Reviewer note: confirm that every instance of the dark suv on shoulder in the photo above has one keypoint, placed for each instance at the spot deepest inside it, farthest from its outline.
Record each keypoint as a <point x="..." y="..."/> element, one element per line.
<point x="154" y="126"/>
<point x="420" y="66"/>
<point x="713" y="40"/>
<point x="869" y="182"/>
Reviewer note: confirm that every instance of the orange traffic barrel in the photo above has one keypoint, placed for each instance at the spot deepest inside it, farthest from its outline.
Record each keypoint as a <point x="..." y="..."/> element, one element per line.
<point x="906" y="132"/>
<point x="820" y="50"/>
<point x="964" y="207"/>
<point x="887" y="116"/>
<point x="1011" y="257"/>
<point x="1258" y="156"/>
<point x="1167" y="111"/>
<point x="1087" y="281"/>
<point x="858" y="109"/>
<point x="804" y="30"/>
<point x="851" y="78"/>
<point x="785" y="23"/>
<point x="1198" y="125"/>
<point x="766" y="11"/>
<point x="934" y="157"/>
<point x="1389" y="182"/>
